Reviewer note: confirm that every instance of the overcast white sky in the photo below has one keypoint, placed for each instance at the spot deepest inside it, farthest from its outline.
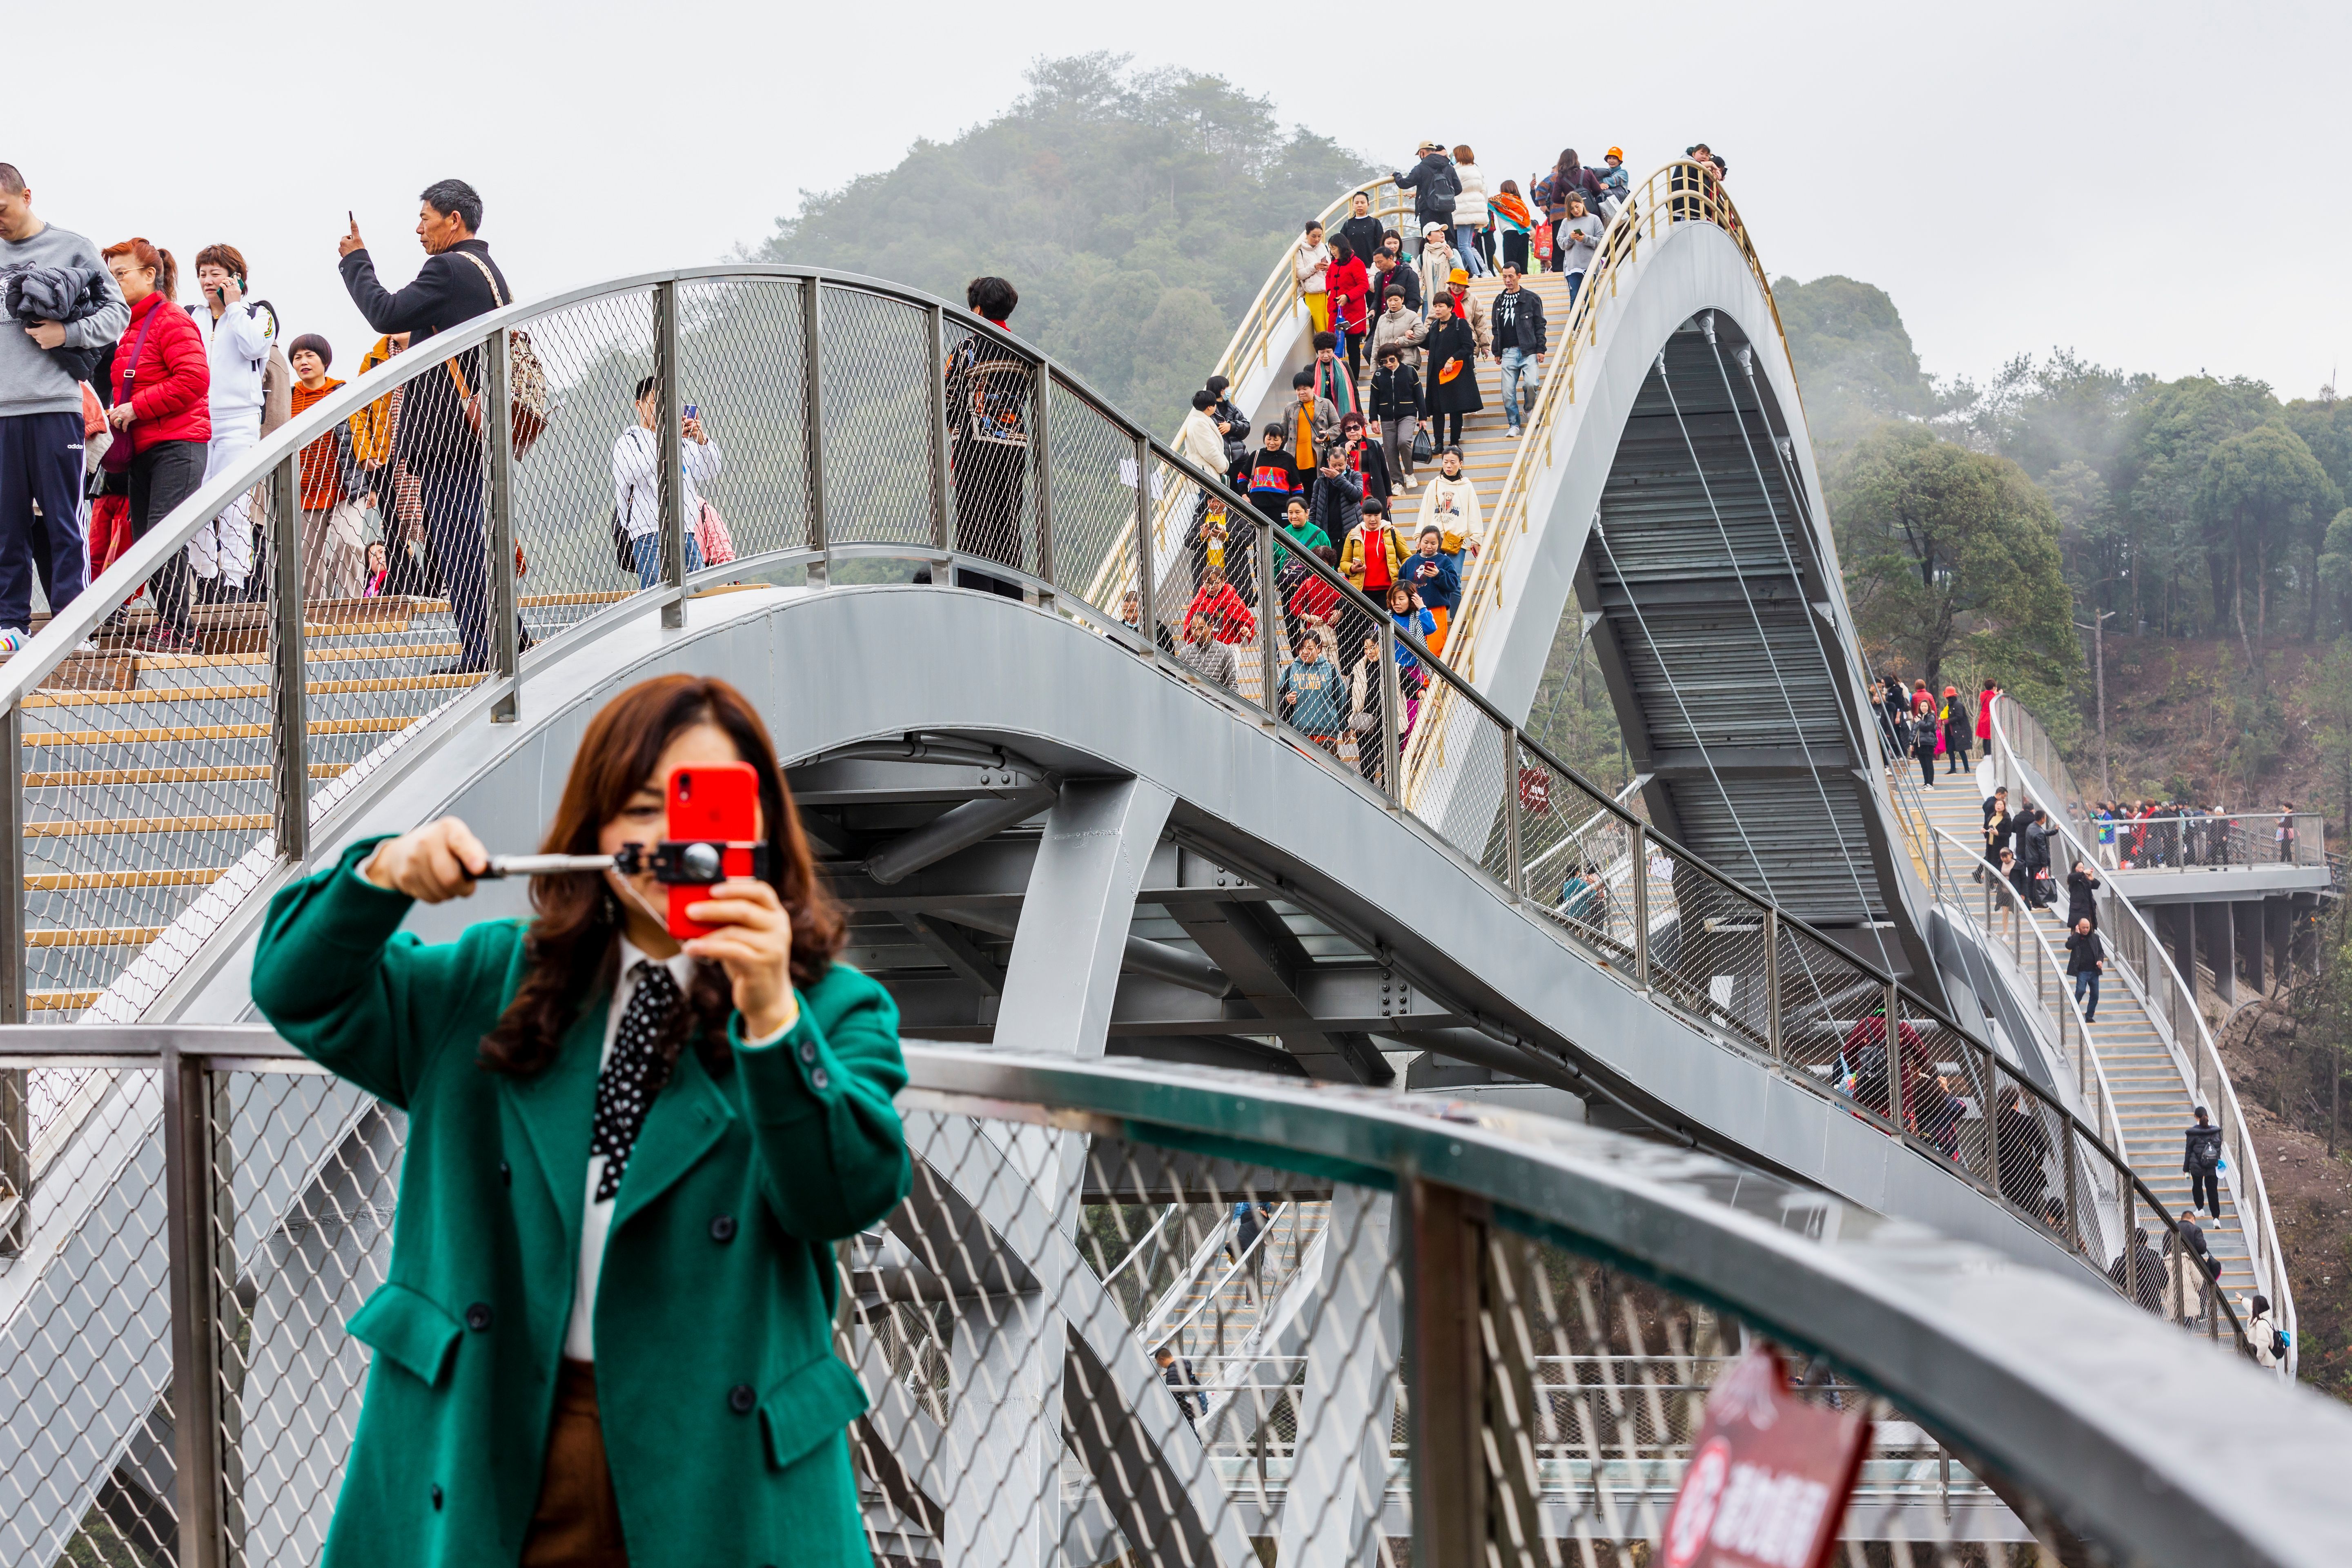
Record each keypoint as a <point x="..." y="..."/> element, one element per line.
<point x="2157" y="185"/>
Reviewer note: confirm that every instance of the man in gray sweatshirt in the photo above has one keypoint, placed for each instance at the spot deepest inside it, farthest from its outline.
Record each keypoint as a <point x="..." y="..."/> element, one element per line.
<point x="40" y="416"/>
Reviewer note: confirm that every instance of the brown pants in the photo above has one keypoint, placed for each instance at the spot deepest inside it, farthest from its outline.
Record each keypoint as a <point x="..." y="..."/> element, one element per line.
<point x="577" y="1524"/>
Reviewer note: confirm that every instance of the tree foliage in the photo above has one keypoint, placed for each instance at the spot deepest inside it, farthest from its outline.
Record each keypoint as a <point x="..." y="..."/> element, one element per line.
<point x="1854" y="358"/>
<point x="1138" y="212"/>
<point x="2260" y="496"/>
<point x="1949" y="551"/>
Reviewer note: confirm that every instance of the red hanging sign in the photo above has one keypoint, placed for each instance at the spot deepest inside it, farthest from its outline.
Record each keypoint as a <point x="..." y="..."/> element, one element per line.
<point x="1534" y="791"/>
<point x="1769" y="1475"/>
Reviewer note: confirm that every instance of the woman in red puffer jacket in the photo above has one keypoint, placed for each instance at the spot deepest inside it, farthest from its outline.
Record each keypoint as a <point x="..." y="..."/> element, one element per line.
<point x="163" y="386"/>
<point x="1350" y="285"/>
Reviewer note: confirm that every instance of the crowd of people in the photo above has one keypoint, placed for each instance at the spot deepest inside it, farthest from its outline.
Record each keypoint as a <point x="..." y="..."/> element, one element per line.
<point x="118" y="403"/>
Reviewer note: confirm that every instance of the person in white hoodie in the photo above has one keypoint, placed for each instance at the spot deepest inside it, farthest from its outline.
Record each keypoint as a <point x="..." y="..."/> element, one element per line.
<point x="238" y="340"/>
<point x="1472" y="236"/>
<point x="1310" y="266"/>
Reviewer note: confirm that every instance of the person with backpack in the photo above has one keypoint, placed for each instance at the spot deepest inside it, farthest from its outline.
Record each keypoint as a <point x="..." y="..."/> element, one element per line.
<point x="438" y="438"/>
<point x="241" y="345"/>
<point x="42" y="361"/>
<point x="2194" y="1269"/>
<point x="2201" y="1162"/>
<point x="1434" y="190"/>
<point x="2270" y="1340"/>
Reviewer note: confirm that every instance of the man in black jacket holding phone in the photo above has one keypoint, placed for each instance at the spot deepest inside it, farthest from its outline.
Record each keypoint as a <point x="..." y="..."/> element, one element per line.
<point x="438" y="438"/>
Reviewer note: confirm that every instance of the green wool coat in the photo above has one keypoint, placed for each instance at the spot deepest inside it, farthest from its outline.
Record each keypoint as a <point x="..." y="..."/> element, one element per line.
<point x="723" y="1406"/>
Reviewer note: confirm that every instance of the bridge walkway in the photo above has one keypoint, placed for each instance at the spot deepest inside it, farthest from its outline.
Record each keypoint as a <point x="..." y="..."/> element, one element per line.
<point x="2152" y="1104"/>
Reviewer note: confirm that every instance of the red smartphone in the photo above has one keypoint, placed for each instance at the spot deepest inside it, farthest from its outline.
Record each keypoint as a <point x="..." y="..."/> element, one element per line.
<point x="717" y="802"/>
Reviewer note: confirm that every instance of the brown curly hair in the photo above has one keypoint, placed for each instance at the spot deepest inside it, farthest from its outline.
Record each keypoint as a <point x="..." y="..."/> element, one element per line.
<point x="573" y="946"/>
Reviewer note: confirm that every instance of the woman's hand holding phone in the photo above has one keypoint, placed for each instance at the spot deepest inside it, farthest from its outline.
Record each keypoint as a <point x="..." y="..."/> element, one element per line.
<point x="754" y="944"/>
<point x="433" y="864"/>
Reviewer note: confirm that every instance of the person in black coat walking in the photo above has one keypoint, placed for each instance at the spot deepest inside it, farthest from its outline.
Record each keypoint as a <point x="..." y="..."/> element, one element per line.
<point x="1959" y="730"/>
<point x="1360" y="229"/>
<point x="2201" y="1162"/>
<point x="1923" y="746"/>
<point x="438" y="438"/>
<point x="2081" y="883"/>
<point x="2086" y="960"/>
<point x="1434" y="185"/>
<point x="2034" y="852"/>
<point x="1453" y="390"/>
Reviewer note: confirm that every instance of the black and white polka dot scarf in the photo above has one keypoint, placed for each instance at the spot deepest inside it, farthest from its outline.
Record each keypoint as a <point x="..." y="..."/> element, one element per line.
<point x="624" y="1090"/>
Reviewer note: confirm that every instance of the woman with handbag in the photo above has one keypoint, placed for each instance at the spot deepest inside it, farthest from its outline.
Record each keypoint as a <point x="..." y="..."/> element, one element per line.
<point x="628" y="1161"/>
<point x="1311" y="268"/>
<point x="1453" y="390"/>
<point x="161" y="415"/>
<point x="1350" y="285"/>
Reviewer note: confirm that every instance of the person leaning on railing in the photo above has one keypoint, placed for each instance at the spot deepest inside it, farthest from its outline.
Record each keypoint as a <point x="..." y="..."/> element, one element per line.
<point x="611" y="1280"/>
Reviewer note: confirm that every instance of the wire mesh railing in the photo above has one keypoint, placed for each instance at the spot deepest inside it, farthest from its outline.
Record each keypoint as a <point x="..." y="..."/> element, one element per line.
<point x="2030" y="763"/>
<point x="909" y="438"/>
<point x="1455" y="1354"/>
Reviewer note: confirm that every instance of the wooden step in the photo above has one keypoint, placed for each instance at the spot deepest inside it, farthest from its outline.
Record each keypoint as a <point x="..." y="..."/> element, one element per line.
<point x="73" y="936"/>
<point x="214" y="732"/>
<point x="169" y="775"/>
<point x="130" y="824"/>
<point x="249" y="692"/>
<point x="77" y="881"/>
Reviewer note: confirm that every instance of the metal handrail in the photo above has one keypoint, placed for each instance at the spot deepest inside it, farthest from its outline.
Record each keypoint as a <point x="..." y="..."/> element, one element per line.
<point x="2269" y="1261"/>
<point x="2061" y="1391"/>
<point x="2310" y="837"/>
<point x="277" y="454"/>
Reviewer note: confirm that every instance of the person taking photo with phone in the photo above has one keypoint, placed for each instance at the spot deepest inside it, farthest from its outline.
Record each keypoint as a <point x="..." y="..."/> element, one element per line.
<point x="606" y="1329"/>
<point x="636" y="481"/>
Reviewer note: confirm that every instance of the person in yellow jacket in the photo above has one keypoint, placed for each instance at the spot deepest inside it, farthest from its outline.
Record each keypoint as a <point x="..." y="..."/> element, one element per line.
<point x="1373" y="557"/>
<point x="371" y="426"/>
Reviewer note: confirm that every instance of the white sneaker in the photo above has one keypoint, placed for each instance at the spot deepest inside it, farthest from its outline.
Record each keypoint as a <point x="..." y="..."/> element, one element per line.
<point x="1510" y="432"/>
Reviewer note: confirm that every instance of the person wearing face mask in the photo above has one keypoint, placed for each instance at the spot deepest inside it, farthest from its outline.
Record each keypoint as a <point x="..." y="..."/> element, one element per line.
<point x="629" y="1159"/>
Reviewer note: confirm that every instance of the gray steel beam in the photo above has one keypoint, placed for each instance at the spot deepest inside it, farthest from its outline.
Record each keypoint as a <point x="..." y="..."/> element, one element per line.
<point x="1064" y="973"/>
<point x="955" y="950"/>
<point x="1141" y="956"/>
<point x="959" y="827"/>
<point x="1240" y="944"/>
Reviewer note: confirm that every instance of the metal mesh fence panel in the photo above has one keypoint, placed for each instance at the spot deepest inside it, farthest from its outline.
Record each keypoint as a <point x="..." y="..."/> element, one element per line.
<point x="1093" y="472"/>
<point x="1710" y="955"/>
<point x="877" y="397"/>
<point x="580" y="485"/>
<point x="1083" y="1351"/>
<point x="1576" y="859"/>
<point x="741" y="370"/>
<point x="86" y="1469"/>
<point x="1829" y="1006"/>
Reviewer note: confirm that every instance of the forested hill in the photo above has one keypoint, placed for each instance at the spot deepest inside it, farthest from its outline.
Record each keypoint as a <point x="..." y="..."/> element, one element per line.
<point x="1979" y="526"/>
<point x="1137" y="213"/>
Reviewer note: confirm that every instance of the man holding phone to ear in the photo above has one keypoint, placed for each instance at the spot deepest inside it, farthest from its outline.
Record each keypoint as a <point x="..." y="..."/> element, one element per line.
<point x="441" y="420"/>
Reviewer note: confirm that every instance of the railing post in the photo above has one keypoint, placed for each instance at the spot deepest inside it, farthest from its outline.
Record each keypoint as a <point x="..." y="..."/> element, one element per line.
<point x="1445" y="1372"/>
<point x="2131" y="1241"/>
<point x="1147" y="577"/>
<point x="13" y="927"/>
<point x="507" y="653"/>
<point x="1772" y="981"/>
<point x="189" y="1141"/>
<point x="2073" y="1215"/>
<point x="1392" y="715"/>
<point x="1041" y="464"/>
<point x="1991" y="1065"/>
<point x="942" y="566"/>
<point x="1641" y="876"/>
<point x="670" y="441"/>
<point x="1269" y="619"/>
<point x="813" y="426"/>
<point x="290" y="752"/>
<point x="1513" y="805"/>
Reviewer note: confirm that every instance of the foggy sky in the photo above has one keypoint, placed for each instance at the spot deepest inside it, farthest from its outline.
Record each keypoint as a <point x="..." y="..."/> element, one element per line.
<point x="2150" y="184"/>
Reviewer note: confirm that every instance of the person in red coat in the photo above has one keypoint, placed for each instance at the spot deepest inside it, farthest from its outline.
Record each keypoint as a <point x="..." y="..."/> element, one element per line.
<point x="1349" y="284"/>
<point x="1226" y="612"/>
<point x="163" y="420"/>
<point x="1984" y="717"/>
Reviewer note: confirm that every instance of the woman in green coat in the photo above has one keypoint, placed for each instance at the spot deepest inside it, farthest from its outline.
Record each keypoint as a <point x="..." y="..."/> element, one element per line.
<point x="606" y="1335"/>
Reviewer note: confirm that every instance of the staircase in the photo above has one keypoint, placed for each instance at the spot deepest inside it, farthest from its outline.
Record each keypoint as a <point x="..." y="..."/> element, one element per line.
<point x="147" y="776"/>
<point x="1487" y="448"/>
<point x="2152" y="1103"/>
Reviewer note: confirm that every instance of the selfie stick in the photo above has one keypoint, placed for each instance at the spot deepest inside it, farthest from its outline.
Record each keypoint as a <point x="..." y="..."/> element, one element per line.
<point x="549" y="865"/>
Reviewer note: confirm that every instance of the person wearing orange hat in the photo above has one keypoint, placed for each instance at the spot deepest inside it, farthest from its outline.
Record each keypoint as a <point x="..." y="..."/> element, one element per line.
<point x="1616" y="184"/>
<point x="1465" y="308"/>
<point x="1959" y="728"/>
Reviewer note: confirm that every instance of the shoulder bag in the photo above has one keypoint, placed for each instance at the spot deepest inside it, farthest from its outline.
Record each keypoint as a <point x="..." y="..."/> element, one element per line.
<point x="529" y="406"/>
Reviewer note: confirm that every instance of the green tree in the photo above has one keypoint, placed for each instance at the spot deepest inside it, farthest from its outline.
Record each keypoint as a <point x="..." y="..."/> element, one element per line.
<point x="2172" y="430"/>
<point x="2328" y="697"/>
<point x="1949" y="551"/>
<point x="1138" y="212"/>
<point x="1854" y="358"/>
<point x="2259" y="494"/>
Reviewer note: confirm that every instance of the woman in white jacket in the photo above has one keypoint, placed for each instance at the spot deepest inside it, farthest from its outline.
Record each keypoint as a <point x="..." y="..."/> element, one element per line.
<point x="1473" y="235"/>
<point x="1450" y="505"/>
<point x="239" y="338"/>
<point x="1310" y="265"/>
<point x="1438" y="260"/>
<point x="637" y="484"/>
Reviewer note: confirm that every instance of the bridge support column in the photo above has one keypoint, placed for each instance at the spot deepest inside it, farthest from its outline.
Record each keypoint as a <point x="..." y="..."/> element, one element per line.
<point x="1064" y="972"/>
<point x="1346" y="1402"/>
<point x="2303" y="933"/>
<point x="2246" y="933"/>
<point x="2276" y="914"/>
<point x="2176" y="930"/>
<point x="2216" y="937"/>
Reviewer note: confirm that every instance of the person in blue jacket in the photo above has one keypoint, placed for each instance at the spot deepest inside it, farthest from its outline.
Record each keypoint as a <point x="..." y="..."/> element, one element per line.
<point x="1435" y="578"/>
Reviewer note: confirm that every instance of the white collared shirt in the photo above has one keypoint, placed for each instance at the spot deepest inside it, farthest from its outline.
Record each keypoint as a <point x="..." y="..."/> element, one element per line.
<point x="596" y="1218"/>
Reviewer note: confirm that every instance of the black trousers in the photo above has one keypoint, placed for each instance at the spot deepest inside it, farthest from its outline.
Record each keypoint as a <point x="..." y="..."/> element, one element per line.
<point x="41" y="462"/>
<point x="1447" y="430"/>
<point x="162" y="476"/>
<point x="2205" y="1191"/>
